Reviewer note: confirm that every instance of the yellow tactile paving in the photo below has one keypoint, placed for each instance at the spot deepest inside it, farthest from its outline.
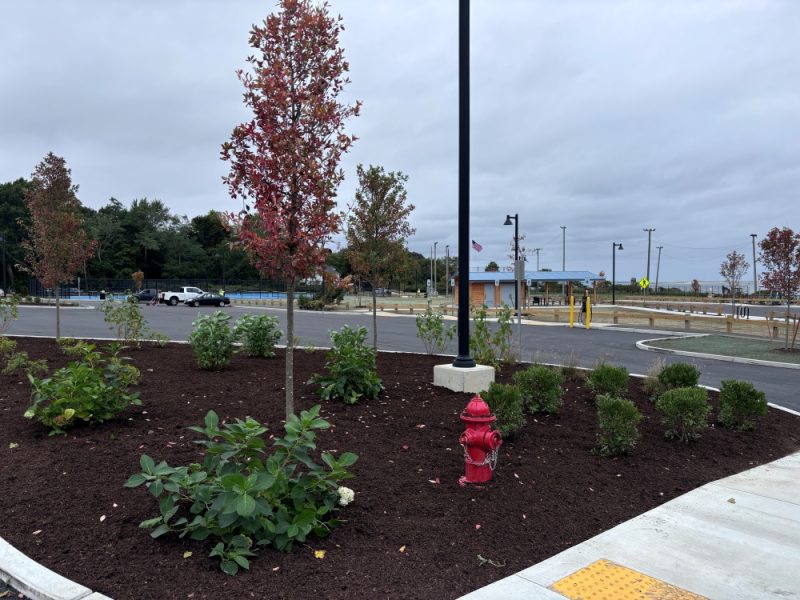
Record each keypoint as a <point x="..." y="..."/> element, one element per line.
<point x="605" y="580"/>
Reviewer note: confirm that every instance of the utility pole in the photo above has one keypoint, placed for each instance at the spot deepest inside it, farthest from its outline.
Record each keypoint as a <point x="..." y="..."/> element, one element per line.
<point x="755" y="278"/>
<point x="658" y="265"/>
<point x="563" y="254"/>
<point x="435" y="289"/>
<point x="537" y="250"/>
<point x="430" y="274"/>
<point x="649" y="236"/>
<point x="447" y="271"/>
<point x="3" y="241"/>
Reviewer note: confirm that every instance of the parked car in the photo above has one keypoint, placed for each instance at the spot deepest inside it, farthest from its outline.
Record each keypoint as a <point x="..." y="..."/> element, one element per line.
<point x="208" y="299"/>
<point x="146" y="295"/>
<point x="183" y="294"/>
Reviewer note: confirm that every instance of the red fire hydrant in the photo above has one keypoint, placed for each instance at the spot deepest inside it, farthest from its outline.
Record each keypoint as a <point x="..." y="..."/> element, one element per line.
<point x="480" y="442"/>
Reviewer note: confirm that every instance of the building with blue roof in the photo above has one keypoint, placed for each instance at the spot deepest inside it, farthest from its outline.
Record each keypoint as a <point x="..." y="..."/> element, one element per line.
<point x="495" y="288"/>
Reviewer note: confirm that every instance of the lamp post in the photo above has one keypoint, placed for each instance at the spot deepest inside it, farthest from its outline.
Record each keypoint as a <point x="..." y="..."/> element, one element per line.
<point x="463" y="360"/>
<point x="755" y="279"/>
<point x="537" y="250"/>
<point x="614" y="246"/>
<point x="658" y="266"/>
<point x="563" y="253"/>
<point x="516" y="253"/>
<point x="435" y="290"/>
<point x="447" y="272"/>
<point x="649" y="235"/>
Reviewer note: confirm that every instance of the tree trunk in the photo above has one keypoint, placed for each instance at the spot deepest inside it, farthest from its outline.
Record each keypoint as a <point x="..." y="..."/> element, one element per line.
<point x="374" y="319"/>
<point x="788" y="307"/>
<point x="289" y="349"/>
<point x="58" y="315"/>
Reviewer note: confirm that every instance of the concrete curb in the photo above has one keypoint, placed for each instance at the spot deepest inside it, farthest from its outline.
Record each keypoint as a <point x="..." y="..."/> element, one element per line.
<point x="642" y="345"/>
<point x="39" y="582"/>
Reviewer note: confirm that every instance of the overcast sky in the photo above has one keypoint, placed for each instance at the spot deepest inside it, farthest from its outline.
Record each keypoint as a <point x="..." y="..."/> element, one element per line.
<point x="604" y="116"/>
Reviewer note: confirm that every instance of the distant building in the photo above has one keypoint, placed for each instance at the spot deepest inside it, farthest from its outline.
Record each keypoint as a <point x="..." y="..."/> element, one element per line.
<point x="497" y="288"/>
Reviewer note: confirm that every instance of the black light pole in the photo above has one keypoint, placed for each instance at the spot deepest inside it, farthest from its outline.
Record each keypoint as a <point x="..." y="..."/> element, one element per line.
<point x="614" y="246"/>
<point x="516" y="253"/>
<point x="463" y="360"/>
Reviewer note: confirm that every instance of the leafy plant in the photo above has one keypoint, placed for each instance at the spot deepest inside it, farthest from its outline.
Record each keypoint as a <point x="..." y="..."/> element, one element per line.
<point x="489" y="348"/>
<point x="739" y="402"/>
<point x="8" y="311"/>
<point x="258" y="334"/>
<point x="244" y="496"/>
<point x="351" y="368"/>
<point x="684" y="411"/>
<point x="212" y="341"/>
<point x="679" y="375"/>
<point x="432" y="331"/>
<point x="651" y="384"/>
<point x="618" y="419"/>
<point x="93" y="389"/>
<point x="7" y="347"/>
<point x="505" y="401"/>
<point x="540" y="387"/>
<point x="127" y="321"/>
<point x="608" y="379"/>
<point x="20" y="361"/>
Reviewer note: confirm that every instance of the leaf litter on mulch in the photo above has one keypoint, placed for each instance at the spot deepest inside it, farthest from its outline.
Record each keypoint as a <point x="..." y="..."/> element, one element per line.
<point x="412" y="532"/>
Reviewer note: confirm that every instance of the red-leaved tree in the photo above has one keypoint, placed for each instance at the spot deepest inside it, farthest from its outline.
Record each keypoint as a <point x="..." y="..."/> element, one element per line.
<point x="284" y="162"/>
<point x="57" y="244"/>
<point x="780" y="272"/>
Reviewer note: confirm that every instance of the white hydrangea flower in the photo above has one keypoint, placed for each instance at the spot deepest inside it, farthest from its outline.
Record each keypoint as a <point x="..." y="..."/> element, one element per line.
<point x="346" y="495"/>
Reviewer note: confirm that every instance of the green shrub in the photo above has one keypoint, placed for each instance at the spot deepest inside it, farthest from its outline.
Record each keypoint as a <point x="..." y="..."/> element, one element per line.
<point x="505" y="401"/>
<point x="127" y="321"/>
<point x="610" y="380"/>
<point x="679" y="375"/>
<point x="684" y="411"/>
<point x="351" y="368"/>
<point x="21" y="362"/>
<point x="7" y="347"/>
<point x="93" y="389"/>
<point x="618" y="419"/>
<point x="432" y="331"/>
<point x="651" y="385"/>
<point x="244" y="496"/>
<point x="739" y="402"/>
<point x="212" y="341"/>
<point x="258" y="334"/>
<point x="540" y="387"/>
<point x="8" y="311"/>
<point x="489" y="348"/>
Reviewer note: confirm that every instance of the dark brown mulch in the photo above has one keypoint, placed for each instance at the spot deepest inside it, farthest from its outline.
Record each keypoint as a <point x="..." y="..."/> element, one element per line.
<point x="549" y="492"/>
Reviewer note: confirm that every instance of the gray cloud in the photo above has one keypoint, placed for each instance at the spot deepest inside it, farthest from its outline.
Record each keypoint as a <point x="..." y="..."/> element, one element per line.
<point x="607" y="117"/>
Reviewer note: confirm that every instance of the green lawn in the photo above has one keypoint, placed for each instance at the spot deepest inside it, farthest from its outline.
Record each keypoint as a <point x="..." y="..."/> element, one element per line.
<point x="731" y="346"/>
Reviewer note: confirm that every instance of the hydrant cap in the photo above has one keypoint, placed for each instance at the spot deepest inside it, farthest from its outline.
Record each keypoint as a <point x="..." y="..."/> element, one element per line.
<point x="477" y="407"/>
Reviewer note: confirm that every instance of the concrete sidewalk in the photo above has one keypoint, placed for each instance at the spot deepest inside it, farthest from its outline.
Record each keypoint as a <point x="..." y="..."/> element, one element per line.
<point x="737" y="538"/>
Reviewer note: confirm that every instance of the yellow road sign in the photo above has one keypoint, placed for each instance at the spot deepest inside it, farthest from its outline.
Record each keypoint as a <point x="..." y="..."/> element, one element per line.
<point x="644" y="283"/>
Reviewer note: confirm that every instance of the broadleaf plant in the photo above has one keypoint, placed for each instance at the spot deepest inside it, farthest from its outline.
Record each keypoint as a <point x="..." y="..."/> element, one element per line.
<point x="244" y="495"/>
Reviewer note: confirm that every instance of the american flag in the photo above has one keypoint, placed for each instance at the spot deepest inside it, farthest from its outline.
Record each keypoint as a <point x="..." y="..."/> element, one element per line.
<point x="477" y="246"/>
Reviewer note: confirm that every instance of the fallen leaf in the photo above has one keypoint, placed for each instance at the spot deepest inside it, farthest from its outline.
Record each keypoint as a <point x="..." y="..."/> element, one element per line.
<point x="319" y="554"/>
<point x="421" y="426"/>
<point x="275" y="568"/>
<point x="402" y="548"/>
<point x="37" y="532"/>
<point x="13" y="445"/>
<point x="102" y="518"/>
<point x="477" y="525"/>
<point x="434" y="481"/>
<point x="405" y="446"/>
<point x="187" y="554"/>
<point x="732" y="500"/>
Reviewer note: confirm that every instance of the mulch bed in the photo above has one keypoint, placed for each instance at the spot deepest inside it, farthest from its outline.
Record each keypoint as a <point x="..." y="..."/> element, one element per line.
<point x="549" y="491"/>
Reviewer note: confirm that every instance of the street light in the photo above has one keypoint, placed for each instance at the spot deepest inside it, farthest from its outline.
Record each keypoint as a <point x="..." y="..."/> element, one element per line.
<point x="563" y="253"/>
<point x="516" y="253"/>
<point x="755" y="279"/>
<point x="614" y="246"/>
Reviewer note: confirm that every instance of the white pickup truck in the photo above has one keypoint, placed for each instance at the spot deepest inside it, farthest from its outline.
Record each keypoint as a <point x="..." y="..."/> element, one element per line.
<point x="182" y="295"/>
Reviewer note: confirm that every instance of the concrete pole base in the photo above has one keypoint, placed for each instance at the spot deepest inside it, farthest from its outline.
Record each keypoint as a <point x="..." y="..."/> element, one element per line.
<point x="472" y="380"/>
